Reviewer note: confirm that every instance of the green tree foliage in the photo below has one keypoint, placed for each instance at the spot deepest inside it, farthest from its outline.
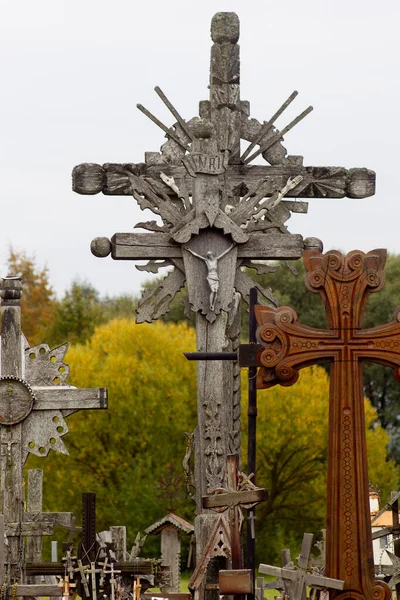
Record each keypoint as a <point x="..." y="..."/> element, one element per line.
<point x="292" y="448"/>
<point x="122" y="453"/>
<point x="82" y="309"/>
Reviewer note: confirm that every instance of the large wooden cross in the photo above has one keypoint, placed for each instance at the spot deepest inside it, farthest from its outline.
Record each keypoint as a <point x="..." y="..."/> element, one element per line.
<point x="34" y="401"/>
<point x="344" y="284"/>
<point x="216" y="213"/>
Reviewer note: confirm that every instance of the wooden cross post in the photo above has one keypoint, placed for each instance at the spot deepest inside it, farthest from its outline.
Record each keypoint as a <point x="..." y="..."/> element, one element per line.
<point x="344" y="284"/>
<point x="34" y="399"/>
<point x="218" y="212"/>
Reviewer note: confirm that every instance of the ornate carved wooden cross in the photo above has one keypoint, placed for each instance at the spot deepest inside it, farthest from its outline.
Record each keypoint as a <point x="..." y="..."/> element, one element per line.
<point x="344" y="284"/>
<point x="217" y="212"/>
<point x="34" y="399"/>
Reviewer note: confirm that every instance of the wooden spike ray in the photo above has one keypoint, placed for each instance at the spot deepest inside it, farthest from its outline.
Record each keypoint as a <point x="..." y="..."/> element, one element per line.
<point x="161" y="125"/>
<point x="279" y="135"/>
<point x="173" y="110"/>
<point x="268" y="125"/>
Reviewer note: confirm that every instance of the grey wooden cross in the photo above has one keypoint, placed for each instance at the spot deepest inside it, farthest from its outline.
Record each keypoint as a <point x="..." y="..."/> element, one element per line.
<point x="207" y="196"/>
<point x="34" y="401"/>
<point x="297" y="579"/>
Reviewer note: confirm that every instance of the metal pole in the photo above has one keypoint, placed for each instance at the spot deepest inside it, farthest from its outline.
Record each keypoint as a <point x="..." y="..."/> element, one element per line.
<point x="251" y="444"/>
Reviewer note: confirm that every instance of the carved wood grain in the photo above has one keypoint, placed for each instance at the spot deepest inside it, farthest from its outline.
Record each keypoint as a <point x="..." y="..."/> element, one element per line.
<point x="344" y="284"/>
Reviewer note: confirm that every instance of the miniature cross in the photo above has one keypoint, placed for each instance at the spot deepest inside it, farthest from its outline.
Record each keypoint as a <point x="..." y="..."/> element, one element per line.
<point x="344" y="284"/>
<point x="34" y="399"/>
<point x="296" y="579"/>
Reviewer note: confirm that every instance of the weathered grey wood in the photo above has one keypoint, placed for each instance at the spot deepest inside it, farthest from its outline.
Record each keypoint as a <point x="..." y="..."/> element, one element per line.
<point x="11" y="478"/>
<point x="261" y="246"/>
<point x="34" y="506"/>
<point x="2" y="549"/>
<point x="235" y="498"/>
<point x="170" y="556"/>
<point x="325" y="182"/>
<point x="75" y="399"/>
<point x="34" y="398"/>
<point x="28" y="529"/>
<point x="297" y="578"/>
<point x="36" y="590"/>
<point x="118" y="535"/>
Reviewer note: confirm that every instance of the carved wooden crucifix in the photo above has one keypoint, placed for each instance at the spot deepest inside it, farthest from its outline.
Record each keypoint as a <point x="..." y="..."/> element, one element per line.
<point x="34" y="401"/>
<point x="209" y="198"/>
<point x="344" y="284"/>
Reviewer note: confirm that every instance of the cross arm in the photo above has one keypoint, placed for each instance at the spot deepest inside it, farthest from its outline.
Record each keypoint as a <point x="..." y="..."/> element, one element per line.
<point x="68" y="398"/>
<point x="288" y="346"/>
<point x="235" y="498"/>
<point x="380" y="344"/>
<point x="52" y="518"/>
<point x="158" y="246"/>
<point x="325" y="182"/>
<point x="290" y="574"/>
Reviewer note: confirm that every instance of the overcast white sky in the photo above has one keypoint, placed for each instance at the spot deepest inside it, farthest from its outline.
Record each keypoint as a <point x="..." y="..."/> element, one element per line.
<point x="72" y="72"/>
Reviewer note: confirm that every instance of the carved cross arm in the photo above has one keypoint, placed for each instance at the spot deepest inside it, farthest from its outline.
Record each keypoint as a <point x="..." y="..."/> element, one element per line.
<point x="69" y="398"/>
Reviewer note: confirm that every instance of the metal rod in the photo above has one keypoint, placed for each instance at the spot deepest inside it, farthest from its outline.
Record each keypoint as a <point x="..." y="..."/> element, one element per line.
<point x="211" y="355"/>
<point x="267" y="126"/>
<point x="279" y="135"/>
<point x="170" y="133"/>
<point x="252" y="430"/>
<point x="173" y="110"/>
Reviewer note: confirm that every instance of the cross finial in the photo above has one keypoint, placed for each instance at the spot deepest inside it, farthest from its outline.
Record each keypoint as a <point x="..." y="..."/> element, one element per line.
<point x="225" y="28"/>
<point x="11" y="288"/>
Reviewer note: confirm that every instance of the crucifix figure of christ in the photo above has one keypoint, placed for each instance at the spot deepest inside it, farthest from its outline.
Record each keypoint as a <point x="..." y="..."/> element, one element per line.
<point x="211" y="262"/>
<point x="34" y="401"/>
<point x="344" y="284"/>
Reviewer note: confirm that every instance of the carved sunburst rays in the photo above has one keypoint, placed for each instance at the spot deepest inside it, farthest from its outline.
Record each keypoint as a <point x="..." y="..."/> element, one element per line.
<point x="156" y="302"/>
<point x="43" y="429"/>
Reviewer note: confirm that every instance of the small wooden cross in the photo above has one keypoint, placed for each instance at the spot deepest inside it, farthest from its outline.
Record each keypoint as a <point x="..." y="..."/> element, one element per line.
<point x="297" y="579"/>
<point x="239" y="493"/>
<point x="66" y="586"/>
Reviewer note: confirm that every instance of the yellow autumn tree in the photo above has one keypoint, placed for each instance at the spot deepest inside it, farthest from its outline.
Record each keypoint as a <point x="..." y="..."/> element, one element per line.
<point x="37" y="302"/>
<point x="124" y="453"/>
<point x="292" y="451"/>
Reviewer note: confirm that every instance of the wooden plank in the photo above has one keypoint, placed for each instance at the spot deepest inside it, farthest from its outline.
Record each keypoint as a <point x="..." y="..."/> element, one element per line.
<point x="234" y="498"/>
<point x="236" y="581"/>
<point x="325" y="582"/>
<point x="16" y="529"/>
<point x="36" y="590"/>
<point x="277" y="572"/>
<point x="2" y="548"/>
<point x="62" y="519"/>
<point x="156" y="246"/>
<point x="62" y="397"/>
<point x="333" y="182"/>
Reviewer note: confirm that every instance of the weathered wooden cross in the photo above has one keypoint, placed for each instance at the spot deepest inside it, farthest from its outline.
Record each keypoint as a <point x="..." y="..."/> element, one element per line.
<point x="344" y="284"/>
<point x="34" y="399"/>
<point x="217" y="213"/>
<point x="296" y="579"/>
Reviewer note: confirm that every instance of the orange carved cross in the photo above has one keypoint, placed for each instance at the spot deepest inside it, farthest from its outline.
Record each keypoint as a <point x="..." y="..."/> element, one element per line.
<point x="344" y="284"/>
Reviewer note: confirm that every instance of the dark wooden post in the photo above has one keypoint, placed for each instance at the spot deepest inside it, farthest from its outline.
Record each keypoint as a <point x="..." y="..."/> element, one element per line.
<point x="252" y="431"/>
